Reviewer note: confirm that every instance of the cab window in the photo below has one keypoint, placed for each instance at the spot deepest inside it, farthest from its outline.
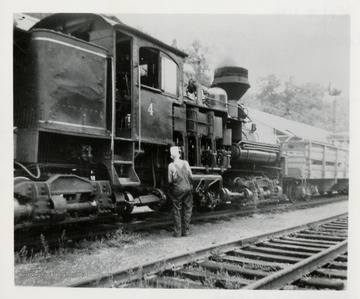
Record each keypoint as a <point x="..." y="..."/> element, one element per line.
<point x="149" y="67"/>
<point x="168" y="75"/>
<point x="158" y="71"/>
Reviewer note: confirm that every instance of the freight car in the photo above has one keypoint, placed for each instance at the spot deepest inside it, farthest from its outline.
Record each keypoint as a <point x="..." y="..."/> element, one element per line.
<point x="97" y="104"/>
<point x="314" y="161"/>
<point x="312" y="168"/>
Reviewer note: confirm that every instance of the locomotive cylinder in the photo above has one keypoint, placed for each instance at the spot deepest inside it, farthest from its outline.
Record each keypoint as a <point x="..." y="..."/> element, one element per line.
<point x="83" y="206"/>
<point x="238" y="154"/>
<point x="237" y="196"/>
<point x="250" y="145"/>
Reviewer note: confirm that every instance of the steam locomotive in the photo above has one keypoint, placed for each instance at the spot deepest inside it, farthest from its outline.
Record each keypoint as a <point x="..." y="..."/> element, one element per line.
<point x="97" y="105"/>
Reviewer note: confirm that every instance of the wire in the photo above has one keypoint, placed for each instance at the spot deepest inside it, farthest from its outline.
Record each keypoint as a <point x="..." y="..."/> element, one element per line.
<point x="21" y="178"/>
<point x="28" y="172"/>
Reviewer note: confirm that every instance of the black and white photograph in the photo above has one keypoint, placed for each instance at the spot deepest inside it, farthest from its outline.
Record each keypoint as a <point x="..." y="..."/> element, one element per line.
<point x="200" y="152"/>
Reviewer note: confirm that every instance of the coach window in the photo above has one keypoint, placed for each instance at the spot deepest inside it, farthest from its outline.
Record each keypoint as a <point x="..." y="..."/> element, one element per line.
<point x="149" y="67"/>
<point x="168" y="75"/>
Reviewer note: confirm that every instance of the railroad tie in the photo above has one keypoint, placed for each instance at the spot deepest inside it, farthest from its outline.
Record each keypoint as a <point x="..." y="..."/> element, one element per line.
<point x="316" y="236"/>
<point x="232" y="269"/>
<point x="174" y="283"/>
<point x="300" y="243"/>
<point x="289" y="247"/>
<point x="321" y="283"/>
<point x="281" y="252"/>
<point x="311" y="241"/>
<point x="331" y="273"/>
<point x="219" y="280"/>
<point x="253" y="262"/>
<point x="337" y="265"/>
<point x="266" y="257"/>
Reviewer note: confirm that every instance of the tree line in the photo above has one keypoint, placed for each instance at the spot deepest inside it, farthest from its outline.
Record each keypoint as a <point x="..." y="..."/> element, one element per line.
<point x="306" y="103"/>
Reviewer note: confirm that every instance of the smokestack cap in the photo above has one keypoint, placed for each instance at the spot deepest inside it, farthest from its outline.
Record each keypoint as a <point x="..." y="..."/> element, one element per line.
<point x="231" y="74"/>
<point x="233" y="79"/>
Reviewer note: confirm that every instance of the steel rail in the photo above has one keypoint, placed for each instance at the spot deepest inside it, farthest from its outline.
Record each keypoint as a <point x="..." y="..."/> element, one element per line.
<point x="164" y="221"/>
<point x="123" y="276"/>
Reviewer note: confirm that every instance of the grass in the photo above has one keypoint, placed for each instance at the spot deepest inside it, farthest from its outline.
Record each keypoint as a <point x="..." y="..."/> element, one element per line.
<point x="66" y="247"/>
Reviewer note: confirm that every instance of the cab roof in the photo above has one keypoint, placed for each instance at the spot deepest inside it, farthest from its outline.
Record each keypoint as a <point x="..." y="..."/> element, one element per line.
<point x="71" y="23"/>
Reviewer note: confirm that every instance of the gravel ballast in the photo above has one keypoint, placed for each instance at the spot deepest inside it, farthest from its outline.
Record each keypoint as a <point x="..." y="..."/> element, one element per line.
<point x="151" y="246"/>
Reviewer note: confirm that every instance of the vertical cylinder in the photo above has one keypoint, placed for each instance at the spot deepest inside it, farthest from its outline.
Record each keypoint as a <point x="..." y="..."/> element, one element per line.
<point x="198" y="95"/>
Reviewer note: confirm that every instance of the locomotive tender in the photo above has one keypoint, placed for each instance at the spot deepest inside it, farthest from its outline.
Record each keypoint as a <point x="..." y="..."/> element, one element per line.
<point x="97" y="104"/>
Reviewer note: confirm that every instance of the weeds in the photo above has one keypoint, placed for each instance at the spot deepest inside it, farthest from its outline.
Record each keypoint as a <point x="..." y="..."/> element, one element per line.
<point x="24" y="256"/>
<point x="63" y="241"/>
<point x="21" y="256"/>
<point x="118" y="239"/>
<point x="45" y="245"/>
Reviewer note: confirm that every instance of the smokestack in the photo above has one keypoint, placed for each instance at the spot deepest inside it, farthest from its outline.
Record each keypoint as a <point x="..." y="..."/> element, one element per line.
<point x="234" y="80"/>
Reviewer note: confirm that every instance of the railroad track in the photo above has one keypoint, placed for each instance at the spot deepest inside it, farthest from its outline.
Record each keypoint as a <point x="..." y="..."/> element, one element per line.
<point x="244" y="211"/>
<point x="309" y="256"/>
<point x="151" y="220"/>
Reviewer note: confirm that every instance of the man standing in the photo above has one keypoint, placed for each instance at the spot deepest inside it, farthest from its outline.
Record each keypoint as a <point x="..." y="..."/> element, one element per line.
<point x="180" y="180"/>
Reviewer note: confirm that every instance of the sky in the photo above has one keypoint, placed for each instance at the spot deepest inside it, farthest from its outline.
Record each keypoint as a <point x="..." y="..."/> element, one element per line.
<point x="311" y="48"/>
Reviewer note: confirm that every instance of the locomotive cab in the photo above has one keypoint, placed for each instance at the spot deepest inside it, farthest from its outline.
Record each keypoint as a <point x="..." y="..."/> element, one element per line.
<point x="89" y="92"/>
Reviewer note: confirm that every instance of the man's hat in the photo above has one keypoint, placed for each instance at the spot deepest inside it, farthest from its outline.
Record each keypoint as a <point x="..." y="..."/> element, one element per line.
<point x="174" y="151"/>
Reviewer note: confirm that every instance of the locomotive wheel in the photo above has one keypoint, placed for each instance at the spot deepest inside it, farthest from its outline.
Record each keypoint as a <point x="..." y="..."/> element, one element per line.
<point x="160" y="206"/>
<point x="126" y="212"/>
<point x="128" y="209"/>
<point x="154" y="207"/>
<point x="305" y="195"/>
<point x="306" y="192"/>
<point x="208" y="204"/>
<point x="292" y="193"/>
<point x="296" y="192"/>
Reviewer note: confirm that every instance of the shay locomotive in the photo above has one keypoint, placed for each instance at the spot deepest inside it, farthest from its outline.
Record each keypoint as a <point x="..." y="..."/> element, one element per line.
<point x="97" y="104"/>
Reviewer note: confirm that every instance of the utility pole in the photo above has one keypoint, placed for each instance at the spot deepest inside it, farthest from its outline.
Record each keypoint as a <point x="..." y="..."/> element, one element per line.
<point x="334" y="93"/>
